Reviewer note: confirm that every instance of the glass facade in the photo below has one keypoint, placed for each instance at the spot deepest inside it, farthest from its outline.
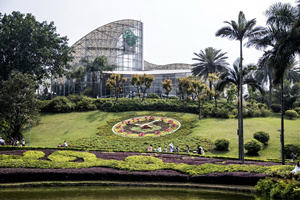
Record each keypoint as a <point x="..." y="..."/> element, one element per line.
<point x="122" y="43"/>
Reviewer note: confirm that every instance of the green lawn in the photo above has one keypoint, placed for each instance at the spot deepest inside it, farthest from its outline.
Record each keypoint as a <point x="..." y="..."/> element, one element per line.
<point x="55" y="128"/>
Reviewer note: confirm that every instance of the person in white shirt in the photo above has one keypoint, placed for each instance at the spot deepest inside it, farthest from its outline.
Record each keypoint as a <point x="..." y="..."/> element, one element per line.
<point x="159" y="149"/>
<point x="65" y="144"/>
<point x="297" y="168"/>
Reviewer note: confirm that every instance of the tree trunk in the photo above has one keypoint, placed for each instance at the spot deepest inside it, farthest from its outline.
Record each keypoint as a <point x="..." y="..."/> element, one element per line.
<point x="282" y="126"/>
<point x="210" y="87"/>
<point x="270" y="90"/>
<point x="241" y="127"/>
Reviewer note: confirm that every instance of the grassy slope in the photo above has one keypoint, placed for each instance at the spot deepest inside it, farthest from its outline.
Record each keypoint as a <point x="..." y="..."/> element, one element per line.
<point x="55" y="128"/>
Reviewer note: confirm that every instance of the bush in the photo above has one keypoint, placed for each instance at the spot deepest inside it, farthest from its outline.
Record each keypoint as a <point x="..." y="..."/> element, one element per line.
<point x="262" y="136"/>
<point x="265" y="112"/>
<point x="86" y="103"/>
<point x="276" y="107"/>
<point x="222" y="144"/>
<point x="291" y="148"/>
<point x="297" y="109"/>
<point x="291" y="114"/>
<point x="253" y="146"/>
<point x="60" y="104"/>
<point x="153" y="96"/>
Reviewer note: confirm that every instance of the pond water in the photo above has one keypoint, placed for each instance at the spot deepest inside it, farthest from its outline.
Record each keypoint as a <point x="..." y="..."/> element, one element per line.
<point x="100" y="192"/>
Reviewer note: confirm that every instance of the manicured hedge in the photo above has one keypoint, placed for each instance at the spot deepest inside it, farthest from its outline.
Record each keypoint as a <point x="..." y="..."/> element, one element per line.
<point x="65" y="159"/>
<point x="152" y="103"/>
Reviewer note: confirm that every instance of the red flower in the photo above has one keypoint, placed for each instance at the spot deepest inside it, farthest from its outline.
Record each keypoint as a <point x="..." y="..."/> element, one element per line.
<point x="170" y="121"/>
<point x="174" y="125"/>
<point x="141" y="134"/>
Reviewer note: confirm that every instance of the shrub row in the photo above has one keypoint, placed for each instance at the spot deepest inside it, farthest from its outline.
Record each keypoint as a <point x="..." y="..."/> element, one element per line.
<point x="151" y="103"/>
<point x="65" y="159"/>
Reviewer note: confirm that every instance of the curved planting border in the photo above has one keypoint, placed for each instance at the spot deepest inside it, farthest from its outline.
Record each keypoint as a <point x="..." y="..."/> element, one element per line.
<point x="152" y="134"/>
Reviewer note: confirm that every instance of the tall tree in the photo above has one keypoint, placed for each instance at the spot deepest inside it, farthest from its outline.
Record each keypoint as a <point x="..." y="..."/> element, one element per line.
<point x="18" y="103"/>
<point x="210" y="60"/>
<point x="115" y="84"/>
<point x="32" y="47"/>
<point x="99" y="64"/>
<point x="214" y="79"/>
<point x="240" y="30"/>
<point x="201" y="91"/>
<point x="142" y="83"/>
<point x="283" y="39"/>
<point x="167" y="85"/>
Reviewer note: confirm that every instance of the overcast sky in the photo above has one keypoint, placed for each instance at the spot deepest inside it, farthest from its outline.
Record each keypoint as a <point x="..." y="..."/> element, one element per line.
<point x="173" y="29"/>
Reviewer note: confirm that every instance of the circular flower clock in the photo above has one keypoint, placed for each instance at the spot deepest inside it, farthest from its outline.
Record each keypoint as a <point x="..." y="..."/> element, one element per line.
<point x="146" y="126"/>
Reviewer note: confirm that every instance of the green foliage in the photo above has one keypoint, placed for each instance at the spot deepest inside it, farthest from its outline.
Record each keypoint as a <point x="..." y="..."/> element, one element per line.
<point x="86" y="103"/>
<point x="291" y="114"/>
<point x="27" y="46"/>
<point x="153" y="96"/>
<point x="33" y="155"/>
<point x="291" y="148"/>
<point x="60" y="104"/>
<point x="281" y="189"/>
<point x="253" y="146"/>
<point x="222" y="144"/>
<point x="107" y="140"/>
<point x="276" y="107"/>
<point x="262" y="136"/>
<point x="69" y="159"/>
<point x="18" y="103"/>
<point x="297" y="109"/>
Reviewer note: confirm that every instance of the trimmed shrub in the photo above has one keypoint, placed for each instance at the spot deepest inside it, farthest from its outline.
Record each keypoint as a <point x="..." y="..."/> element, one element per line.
<point x="153" y="96"/>
<point x="86" y="103"/>
<point x="253" y="146"/>
<point x="297" y="109"/>
<point x="262" y="136"/>
<point x="222" y="144"/>
<point x="291" y="114"/>
<point x="60" y="104"/>
<point x="265" y="112"/>
<point x="276" y="107"/>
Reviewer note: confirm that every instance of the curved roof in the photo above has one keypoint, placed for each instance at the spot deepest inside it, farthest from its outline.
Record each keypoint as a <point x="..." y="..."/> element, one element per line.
<point x="103" y="40"/>
<point x="173" y="66"/>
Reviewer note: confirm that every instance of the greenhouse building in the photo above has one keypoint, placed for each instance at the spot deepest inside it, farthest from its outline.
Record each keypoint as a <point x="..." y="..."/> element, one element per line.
<point x="122" y="43"/>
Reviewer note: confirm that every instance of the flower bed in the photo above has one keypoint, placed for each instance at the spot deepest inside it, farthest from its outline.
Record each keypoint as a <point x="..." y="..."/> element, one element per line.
<point x="146" y="126"/>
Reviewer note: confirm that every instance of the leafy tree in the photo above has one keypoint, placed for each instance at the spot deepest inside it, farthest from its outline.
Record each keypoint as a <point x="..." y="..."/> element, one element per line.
<point x="210" y="60"/>
<point x="201" y="91"/>
<point x="18" y="102"/>
<point x="99" y="64"/>
<point x="32" y="47"/>
<point x="78" y="73"/>
<point x="214" y="79"/>
<point x="167" y="85"/>
<point x="185" y="87"/>
<point x="239" y="31"/>
<point x="115" y="84"/>
<point x="231" y="93"/>
<point x="142" y="83"/>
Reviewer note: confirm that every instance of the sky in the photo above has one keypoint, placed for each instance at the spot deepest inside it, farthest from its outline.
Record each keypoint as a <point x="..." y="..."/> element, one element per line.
<point x="173" y="29"/>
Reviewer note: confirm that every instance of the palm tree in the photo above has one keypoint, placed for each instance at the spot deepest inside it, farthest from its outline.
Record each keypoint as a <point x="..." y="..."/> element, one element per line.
<point x="283" y="36"/>
<point x="99" y="64"/>
<point x="209" y="61"/>
<point x="231" y="76"/>
<point x="239" y="31"/>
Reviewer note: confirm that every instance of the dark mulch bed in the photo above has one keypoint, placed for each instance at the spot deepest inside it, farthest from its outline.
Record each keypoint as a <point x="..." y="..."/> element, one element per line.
<point x="100" y="173"/>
